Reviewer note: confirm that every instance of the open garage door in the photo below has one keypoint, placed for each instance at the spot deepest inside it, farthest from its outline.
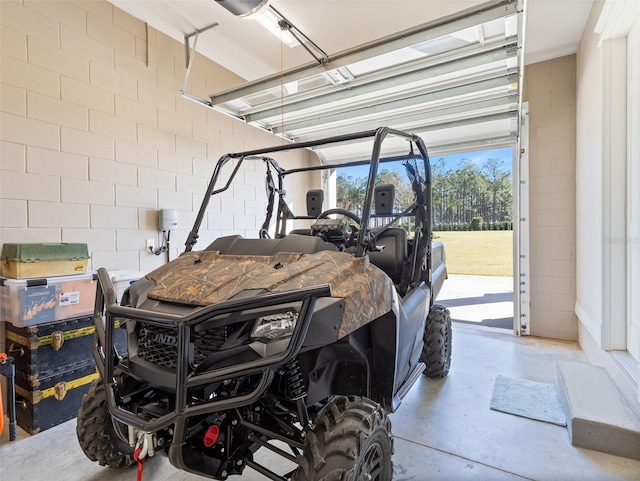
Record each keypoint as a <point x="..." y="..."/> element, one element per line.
<point x="455" y="79"/>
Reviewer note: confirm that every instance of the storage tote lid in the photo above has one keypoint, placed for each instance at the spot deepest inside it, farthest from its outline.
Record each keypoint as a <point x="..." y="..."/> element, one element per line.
<point x="46" y="281"/>
<point x="42" y="252"/>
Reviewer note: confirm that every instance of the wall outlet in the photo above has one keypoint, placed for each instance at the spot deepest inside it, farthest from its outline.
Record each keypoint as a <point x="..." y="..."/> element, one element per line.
<point x="150" y="245"/>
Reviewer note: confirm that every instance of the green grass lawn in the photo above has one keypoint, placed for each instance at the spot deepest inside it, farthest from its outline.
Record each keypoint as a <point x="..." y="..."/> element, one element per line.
<point x="478" y="253"/>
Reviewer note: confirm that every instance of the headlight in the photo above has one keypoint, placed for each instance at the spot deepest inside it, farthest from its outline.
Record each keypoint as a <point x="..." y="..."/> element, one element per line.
<point x="275" y="326"/>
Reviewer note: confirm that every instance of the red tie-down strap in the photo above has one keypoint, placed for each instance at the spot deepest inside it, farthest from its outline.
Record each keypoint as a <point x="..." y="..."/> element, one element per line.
<point x="140" y="461"/>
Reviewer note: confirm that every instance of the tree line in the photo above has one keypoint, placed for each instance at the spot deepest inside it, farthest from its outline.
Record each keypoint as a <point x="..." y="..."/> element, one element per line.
<point x="479" y="198"/>
<point x="468" y="197"/>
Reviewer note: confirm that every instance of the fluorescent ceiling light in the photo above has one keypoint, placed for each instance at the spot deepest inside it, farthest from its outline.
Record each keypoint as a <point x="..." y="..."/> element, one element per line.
<point x="269" y="20"/>
<point x="243" y="8"/>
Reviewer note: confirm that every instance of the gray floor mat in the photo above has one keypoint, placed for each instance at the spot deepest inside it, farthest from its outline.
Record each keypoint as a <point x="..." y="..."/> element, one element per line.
<point x="529" y="399"/>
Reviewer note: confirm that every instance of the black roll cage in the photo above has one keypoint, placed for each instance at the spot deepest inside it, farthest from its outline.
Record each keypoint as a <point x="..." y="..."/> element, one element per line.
<point x="107" y="312"/>
<point x="378" y="135"/>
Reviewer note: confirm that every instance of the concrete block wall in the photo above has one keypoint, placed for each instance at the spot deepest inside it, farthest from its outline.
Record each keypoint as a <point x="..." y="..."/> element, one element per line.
<point x="550" y="89"/>
<point x="94" y="141"/>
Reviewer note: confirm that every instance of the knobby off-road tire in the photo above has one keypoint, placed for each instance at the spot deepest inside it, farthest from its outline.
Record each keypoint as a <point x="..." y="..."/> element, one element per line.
<point x="351" y="441"/>
<point x="436" y="353"/>
<point x="95" y="432"/>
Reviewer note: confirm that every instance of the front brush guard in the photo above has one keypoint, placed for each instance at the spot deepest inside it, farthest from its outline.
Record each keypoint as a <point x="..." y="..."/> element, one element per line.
<point x="107" y="311"/>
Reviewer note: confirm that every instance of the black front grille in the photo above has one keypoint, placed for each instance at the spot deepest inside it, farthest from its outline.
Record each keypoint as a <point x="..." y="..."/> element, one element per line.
<point x="209" y="341"/>
<point x="159" y="346"/>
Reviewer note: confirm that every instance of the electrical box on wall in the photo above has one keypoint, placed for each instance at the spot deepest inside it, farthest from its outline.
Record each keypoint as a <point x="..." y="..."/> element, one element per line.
<point x="167" y="219"/>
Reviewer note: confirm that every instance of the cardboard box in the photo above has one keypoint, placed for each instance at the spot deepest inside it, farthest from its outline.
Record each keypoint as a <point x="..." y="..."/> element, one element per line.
<point x="28" y="302"/>
<point x="24" y="261"/>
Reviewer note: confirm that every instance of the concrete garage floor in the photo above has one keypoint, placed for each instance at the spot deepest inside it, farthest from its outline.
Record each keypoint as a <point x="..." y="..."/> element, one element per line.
<point x="444" y="429"/>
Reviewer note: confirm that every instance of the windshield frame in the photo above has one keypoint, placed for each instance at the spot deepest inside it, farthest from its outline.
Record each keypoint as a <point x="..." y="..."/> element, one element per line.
<point x="374" y="162"/>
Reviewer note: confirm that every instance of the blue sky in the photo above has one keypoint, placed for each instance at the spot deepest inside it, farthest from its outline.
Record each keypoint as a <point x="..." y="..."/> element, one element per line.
<point x="478" y="157"/>
<point x="451" y="161"/>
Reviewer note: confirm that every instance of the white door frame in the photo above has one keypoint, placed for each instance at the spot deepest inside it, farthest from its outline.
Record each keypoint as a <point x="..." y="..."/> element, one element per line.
<point x="614" y="194"/>
<point x="633" y="196"/>
<point x="521" y="222"/>
<point x="633" y="183"/>
<point x="618" y="206"/>
<point x="619" y="26"/>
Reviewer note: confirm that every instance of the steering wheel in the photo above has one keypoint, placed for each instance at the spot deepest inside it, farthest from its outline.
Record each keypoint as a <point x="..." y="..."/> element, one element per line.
<point x="343" y="212"/>
<point x="343" y="239"/>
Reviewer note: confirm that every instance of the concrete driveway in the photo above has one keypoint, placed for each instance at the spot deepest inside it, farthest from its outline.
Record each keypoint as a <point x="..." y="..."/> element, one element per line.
<point x="479" y="300"/>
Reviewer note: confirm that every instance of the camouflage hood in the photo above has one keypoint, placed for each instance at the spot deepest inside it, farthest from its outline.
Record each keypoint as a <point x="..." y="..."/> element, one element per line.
<point x="203" y="278"/>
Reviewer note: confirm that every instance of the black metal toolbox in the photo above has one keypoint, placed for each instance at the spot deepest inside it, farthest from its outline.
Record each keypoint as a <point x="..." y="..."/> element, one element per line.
<point x="54" y="397"/>
<point x="42" y="348"/>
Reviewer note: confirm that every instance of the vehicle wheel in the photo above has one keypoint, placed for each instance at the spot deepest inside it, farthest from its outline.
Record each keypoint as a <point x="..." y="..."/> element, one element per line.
<point x="436" y="353"/>
<point x="95" y="432"/>
<point x="351" y="441"/>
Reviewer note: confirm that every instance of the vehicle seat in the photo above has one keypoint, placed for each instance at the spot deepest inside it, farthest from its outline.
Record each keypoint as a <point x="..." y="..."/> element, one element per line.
<point x="391" y="259"/>
<point x="237" y="245"/>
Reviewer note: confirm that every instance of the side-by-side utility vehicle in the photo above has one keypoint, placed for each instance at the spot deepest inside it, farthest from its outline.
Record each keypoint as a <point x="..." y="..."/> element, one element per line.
<point x="299" y="342"/>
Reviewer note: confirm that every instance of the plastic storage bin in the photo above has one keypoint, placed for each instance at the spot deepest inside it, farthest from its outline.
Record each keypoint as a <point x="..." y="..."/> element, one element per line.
<point x="122" y="279"/>
<point x="27" y="302"/>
